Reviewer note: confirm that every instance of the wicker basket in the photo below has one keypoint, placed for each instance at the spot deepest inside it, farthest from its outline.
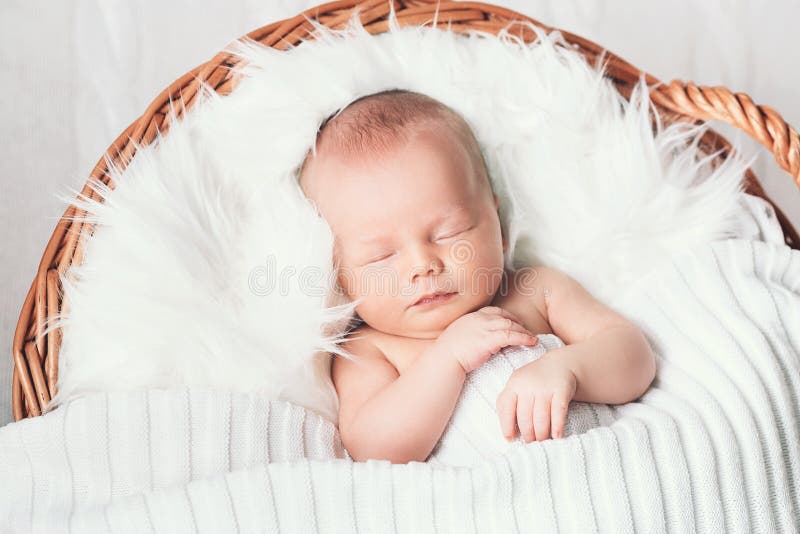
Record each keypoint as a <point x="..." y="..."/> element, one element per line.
<point x="36" y="354"/>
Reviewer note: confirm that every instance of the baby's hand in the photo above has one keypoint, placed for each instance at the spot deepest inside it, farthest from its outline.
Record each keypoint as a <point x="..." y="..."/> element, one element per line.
<point x="474" y="337"/>
<point x="537" y="394"/>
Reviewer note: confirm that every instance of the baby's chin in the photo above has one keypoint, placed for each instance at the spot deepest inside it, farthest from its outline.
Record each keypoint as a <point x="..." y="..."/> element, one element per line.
<point x="428" y="321"/>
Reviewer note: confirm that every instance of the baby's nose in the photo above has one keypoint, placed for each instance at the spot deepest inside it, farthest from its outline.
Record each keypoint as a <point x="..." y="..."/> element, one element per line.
<point x="433" y="266"/>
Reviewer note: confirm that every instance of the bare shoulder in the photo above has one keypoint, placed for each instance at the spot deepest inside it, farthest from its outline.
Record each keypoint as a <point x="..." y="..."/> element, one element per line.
<point x="360" y="338"/>
<point x="529" y="291"/>
<point x="526" y="287"/>
<point x="539" y="282"/>
<point x="363" y="344"/>
<point x="359" y="379"/>
<point x="572" y="311"/>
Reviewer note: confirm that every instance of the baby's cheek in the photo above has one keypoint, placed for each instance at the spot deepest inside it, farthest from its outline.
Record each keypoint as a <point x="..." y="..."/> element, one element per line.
<point x="381" y="312"/>
<point x="380" y="295"/>
<point x="484" y="277"/>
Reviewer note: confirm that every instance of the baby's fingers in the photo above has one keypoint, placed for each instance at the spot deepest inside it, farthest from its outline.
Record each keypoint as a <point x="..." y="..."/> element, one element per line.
<point x="541" y="417"/>
<point x="558" y="410"/>
<point x="525" y="410"/>
<point x="506" y="411"/>
<point x="521" y="338"/>
<point x="504" y="324"/>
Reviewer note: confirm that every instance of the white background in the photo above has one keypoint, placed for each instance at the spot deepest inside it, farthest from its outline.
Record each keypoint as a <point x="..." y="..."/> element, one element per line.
<point x="76" y="74"/>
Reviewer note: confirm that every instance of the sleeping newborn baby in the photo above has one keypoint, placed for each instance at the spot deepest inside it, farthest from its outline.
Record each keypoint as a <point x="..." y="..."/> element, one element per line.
<point x="401" y="181"/>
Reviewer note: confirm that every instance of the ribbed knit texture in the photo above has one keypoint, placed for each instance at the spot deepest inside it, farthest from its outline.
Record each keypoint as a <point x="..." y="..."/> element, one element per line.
<point x="713" y="446"/>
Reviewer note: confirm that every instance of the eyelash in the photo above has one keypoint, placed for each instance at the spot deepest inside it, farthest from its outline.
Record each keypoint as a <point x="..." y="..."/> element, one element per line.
<point x="379" y="258"/>
<point x="453" y="234"/>
<point x="446" y="236"/>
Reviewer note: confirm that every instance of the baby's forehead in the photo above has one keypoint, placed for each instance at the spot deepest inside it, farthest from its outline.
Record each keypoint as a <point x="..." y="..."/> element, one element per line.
<point x="361" y="190"/>
<point x="429" y="170"/>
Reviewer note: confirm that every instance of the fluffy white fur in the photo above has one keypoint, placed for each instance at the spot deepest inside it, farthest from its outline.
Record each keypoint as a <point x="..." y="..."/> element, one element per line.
<point x="172" y="289"/>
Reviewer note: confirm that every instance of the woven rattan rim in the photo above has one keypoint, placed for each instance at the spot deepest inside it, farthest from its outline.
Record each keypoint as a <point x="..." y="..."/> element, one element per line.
<point x="35" y="351"/>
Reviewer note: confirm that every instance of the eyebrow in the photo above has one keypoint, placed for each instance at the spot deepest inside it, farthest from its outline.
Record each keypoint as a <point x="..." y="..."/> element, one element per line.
<point x="438" y="220"/>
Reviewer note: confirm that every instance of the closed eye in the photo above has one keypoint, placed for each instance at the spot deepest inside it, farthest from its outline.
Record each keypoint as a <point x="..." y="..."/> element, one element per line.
<point x="454" y="234"/>
<point x="379" y="258"/>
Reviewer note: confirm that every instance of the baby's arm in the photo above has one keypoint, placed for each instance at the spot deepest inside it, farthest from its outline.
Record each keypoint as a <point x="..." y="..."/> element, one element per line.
<point x="609" y="355"/>
<point x="383" y="415"/>
<point x="400" y="418"/>
<point x="606" y="359"/>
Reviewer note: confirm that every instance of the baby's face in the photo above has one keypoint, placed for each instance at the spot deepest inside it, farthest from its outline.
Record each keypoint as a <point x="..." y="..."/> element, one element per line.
<point x="412" y="222"/>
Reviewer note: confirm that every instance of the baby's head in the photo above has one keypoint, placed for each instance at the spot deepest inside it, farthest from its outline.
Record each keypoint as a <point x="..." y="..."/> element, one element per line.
<point x="401" y="181"/>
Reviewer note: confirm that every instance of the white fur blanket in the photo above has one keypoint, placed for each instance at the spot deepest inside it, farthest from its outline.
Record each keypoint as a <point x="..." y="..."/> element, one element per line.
<point x="713" y="446"/>
<point x="208" y="267"/>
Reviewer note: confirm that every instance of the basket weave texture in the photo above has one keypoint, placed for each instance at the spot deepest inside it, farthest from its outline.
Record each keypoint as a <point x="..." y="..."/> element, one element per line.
<point x="35" y="352"/>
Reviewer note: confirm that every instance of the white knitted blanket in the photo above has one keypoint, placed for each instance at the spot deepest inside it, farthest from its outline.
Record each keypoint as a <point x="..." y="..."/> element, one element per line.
<point x="473" y="434"/>
<point x="713" y="446"/>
